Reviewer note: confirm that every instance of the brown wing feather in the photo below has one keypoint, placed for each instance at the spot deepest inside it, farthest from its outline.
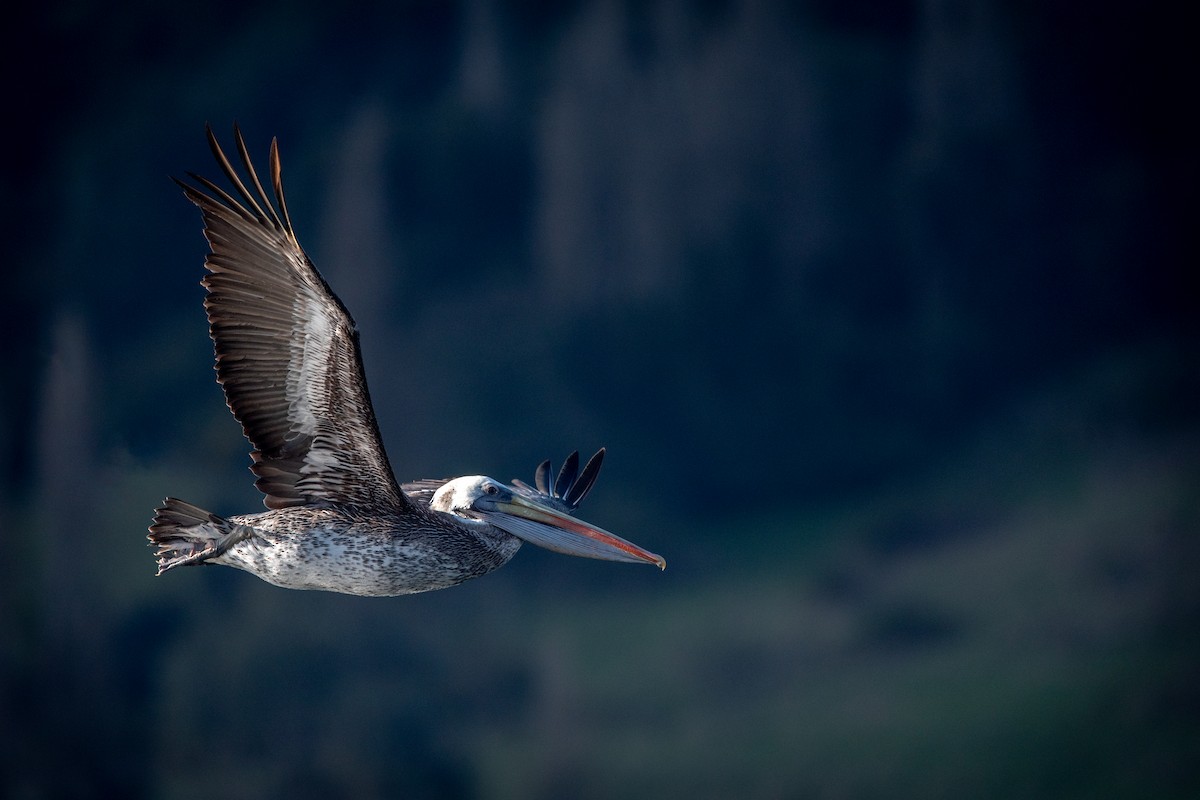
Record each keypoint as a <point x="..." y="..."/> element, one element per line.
<point x="287" y="351"/>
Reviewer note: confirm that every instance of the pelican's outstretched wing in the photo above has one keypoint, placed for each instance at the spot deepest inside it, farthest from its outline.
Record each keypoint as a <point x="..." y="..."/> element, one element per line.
<point x="287" y="350"/>
<point x="569" y="488"/>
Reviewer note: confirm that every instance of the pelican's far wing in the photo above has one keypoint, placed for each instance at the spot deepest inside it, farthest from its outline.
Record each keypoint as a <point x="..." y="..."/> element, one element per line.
<point x="567" y="491"/>
<point x="564" y="493"/>
<point x="287" y="352"/>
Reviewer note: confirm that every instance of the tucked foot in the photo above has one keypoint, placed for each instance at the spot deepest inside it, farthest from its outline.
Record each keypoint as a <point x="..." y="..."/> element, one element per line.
<point x="186" y="534"/>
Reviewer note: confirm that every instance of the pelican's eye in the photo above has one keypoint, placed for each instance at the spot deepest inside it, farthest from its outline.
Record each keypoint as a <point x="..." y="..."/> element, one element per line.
<point x="491" y="488"/>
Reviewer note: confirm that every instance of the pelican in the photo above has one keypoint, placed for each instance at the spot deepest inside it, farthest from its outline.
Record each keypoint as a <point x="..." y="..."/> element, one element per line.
<point x="288" y="360"/>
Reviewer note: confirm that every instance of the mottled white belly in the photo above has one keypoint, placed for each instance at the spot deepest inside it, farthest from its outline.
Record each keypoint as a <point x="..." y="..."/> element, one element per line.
<point x="344" y="563"/>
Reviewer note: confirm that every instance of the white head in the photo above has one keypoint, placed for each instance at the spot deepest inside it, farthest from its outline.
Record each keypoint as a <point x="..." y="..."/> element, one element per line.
<point x="458" y="497"/>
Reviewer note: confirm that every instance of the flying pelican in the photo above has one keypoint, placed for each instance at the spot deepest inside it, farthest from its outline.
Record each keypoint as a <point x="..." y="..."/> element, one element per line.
<point x="287" y="358"/>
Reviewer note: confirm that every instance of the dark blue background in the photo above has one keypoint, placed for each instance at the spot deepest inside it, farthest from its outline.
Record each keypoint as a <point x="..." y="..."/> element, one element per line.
<point x="885" y="313"/>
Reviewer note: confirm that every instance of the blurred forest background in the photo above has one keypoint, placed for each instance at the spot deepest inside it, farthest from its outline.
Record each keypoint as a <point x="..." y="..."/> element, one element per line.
<point x="885" y="311"/>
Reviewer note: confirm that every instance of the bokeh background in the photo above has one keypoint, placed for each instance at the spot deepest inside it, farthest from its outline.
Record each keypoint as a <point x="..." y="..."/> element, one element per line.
<point x="885" y="311"/>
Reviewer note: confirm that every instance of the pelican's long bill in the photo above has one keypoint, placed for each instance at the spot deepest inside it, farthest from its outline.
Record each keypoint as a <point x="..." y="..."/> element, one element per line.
<point x="538" y="524"/>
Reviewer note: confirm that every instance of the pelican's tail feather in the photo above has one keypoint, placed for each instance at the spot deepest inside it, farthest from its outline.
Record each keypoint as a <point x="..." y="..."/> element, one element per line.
<point x="186" y="534"/>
